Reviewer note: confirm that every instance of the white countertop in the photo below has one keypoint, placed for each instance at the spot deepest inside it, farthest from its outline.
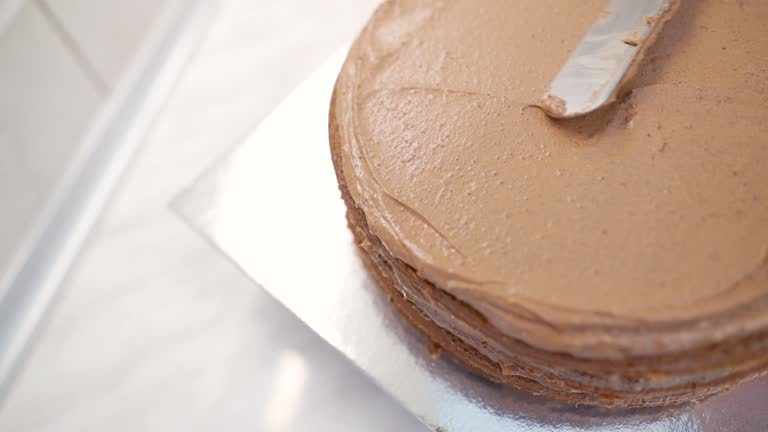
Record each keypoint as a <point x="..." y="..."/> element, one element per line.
<point x="154" y="330"/>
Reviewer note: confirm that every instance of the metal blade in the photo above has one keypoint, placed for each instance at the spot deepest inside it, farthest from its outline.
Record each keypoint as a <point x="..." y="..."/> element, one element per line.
<point x="606" y="56"/>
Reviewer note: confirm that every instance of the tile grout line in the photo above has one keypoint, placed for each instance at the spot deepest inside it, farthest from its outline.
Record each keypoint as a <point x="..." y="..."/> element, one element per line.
<point x="73" y="47"/>
<point x="8" y="11"/>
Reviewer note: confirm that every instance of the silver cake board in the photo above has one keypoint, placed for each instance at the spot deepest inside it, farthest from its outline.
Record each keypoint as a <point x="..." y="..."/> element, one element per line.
<point x="274" y="208"/>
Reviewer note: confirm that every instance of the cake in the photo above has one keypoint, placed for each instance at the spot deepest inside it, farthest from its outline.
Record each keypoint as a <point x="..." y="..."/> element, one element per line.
<point x="619" y="259"/>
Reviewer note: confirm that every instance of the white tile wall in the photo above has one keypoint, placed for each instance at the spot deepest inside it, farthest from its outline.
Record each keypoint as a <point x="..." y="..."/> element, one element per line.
<point x="59" y="59"/>
<point x="107" y="31"/>
<point x="46" y="103"/>
<point x="8" y="9"/>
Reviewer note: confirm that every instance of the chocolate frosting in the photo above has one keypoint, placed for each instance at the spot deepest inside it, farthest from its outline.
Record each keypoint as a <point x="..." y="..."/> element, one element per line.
<point x="640" y="229"/>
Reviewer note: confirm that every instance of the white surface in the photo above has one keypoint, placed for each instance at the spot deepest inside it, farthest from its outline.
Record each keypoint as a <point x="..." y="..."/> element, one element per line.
<point x="46" y="104"/>
<point x="155" y="330"/>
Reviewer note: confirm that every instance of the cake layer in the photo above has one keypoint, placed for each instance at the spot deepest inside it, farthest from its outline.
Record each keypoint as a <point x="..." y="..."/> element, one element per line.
<point x="468" y="337"/>
<point x="623" y="255"/>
